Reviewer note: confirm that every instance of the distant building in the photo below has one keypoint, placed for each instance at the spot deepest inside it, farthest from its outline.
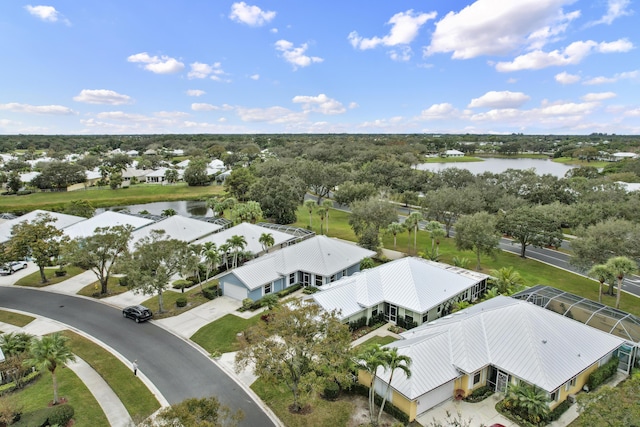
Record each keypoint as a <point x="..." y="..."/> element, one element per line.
<point x="453" y="153"/>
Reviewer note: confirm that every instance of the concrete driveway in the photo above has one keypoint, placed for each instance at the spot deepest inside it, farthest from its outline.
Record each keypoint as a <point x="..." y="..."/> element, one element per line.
<point x="480" y="413"/>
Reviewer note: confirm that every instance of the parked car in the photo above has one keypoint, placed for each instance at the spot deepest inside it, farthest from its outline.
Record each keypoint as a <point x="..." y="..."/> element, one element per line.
<point x="139" y="313"/>
<point x="12" y="267"/>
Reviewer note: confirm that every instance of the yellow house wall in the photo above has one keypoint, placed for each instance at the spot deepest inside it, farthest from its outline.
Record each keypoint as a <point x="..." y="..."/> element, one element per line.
<point x="581" y="380"/>
<point x="398" y="400"/>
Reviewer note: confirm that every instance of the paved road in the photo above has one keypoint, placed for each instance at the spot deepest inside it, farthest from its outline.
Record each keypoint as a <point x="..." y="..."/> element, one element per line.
<point x="177" y="369"/>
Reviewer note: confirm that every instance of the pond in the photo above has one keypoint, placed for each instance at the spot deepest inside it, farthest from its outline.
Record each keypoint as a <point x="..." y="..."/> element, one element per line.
<point x="182" y="207"/>
<point x="498" y="165"/>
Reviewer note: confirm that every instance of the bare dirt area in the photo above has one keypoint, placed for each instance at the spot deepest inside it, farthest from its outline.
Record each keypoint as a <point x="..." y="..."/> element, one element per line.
<point x="360" y="415"/>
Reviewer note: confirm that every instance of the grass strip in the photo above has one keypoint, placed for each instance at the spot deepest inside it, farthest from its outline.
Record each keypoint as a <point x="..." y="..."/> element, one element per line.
<point x="169" y="298"/>
<point x="220" y="335"/>
<point x="15" y="319"/>
<point x="34" y="280"/>
<point x="131" y="391"/>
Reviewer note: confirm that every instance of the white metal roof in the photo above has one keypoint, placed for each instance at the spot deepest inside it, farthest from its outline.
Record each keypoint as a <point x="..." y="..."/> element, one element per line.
<point x="177" y="227"/>
<point x="62" y="221"/>
<point x="87" y="227"/>
<point x="319" y="255"/>
<point x="413" y="283"/>
<point x="536" y="345"/>
<point x="251" y="233"/>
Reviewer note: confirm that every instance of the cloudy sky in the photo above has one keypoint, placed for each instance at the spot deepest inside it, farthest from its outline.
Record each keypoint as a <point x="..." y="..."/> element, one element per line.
<point x="356" y="66"/>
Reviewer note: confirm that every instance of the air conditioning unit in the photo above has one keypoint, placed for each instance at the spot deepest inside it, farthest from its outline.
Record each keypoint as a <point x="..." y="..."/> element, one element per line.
<point x="571" y="398"/>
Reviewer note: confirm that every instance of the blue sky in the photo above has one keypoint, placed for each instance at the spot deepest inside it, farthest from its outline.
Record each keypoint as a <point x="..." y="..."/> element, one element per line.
<point x="356" y="66"/>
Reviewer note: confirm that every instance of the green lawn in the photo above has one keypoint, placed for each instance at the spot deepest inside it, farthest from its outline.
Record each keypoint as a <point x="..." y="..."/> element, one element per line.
<point x="221" y="334"/>
<point x="103" y="197"/>
<point x="323" y="413"/>
<point x="38" y="394"/>
<point x="378" y="340"/>
<point x="338" y="223"/>
<point x="135" y="396"/>
<point x="33" y="280"/>
<point x="15" y="319"/>
<point x="578" y="162"/>
<point x="113" y="288"/>
<point x="169" y="298"/>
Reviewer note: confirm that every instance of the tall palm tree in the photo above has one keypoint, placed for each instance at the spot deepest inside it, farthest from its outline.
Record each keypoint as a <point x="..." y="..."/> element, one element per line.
<point x="412" y="222"/>
<point x="392" y="361"/>
<point x="602" y="274"/>
<point x="369" y="360"/>
<point x="328" y="205"/>
<point x="621" y="266"/>
<point x="310" y="204"/>
<point x="211" y="258"/>
<point x="322" y="212"/>
<point x="436" y="232"/>
<point x="506" y="280"/>
<point x="266" y="240"/>
<point x="49" y="352"/>
<point x="395" y="228"/>
<point x="236" y="243"/>
<point x="224" y="253"/>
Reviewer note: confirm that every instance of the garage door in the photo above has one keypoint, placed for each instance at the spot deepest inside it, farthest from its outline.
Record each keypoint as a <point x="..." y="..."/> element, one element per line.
<point x="435" y="397"/>
<point x="234" y="291"/>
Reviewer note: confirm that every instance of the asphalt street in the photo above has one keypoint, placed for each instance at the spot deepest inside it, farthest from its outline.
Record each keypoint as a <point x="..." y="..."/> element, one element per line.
<point x="177" y="369"/>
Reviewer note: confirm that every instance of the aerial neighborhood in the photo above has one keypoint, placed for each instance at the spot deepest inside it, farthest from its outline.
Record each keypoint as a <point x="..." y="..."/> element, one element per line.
<point x="431" y="301"/>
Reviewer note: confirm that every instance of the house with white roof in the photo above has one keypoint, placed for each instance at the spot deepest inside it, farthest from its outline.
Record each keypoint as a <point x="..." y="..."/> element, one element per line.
<point x="453" y="153"/>
<point x="616" y="157"/>
<point x="61" y="222"/>
<point x="315" y="261"/>
<point x="409" y="291"/>
<point x="251" y="234"/>
<point x="495" y="343"/>
<point x="87" y="227"/>
<point x="177" y="227"/>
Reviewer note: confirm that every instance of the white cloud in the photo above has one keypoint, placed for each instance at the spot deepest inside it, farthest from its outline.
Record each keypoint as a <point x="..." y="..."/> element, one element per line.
<point x="273" y="31"/>
<point x="255" y="77"/>
<point x="504" y="99"/>
<point x="405" y="27"/>
<point x="566" y="78"/>
<point x="562" y="114"/>
<point x="46" y="13"/>
<point x="195" y="92"/>
<point x="271" y="115"/>
<point x="496" y="27"/>
<point x="250" y="15"/>
<point x="632" y="113"/>
<point x="170" y="114"/>
<point x="200" y="70"/>
<point x="439" y="111"/>
<point x="600" y="96"/>
<point x="353" y="105"/>
<point x="615" y="78"/>
<point x="615" y="10"/>
<point x="159" y="65"/>
<point x="122" y="116"/>
<point x="319" y="104"/>
<point x="571" y="55"/>
<point x="15" y="107"/>
<point x="102" y="96"/>
<point x="210" y="107"/>
<point x="296" y="55"/>
<point x="402" y="53"/>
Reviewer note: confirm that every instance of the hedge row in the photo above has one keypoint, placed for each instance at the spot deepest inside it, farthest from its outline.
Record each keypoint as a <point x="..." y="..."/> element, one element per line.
<point x="58" y="415"/>
<point x="603" y="373"/>
<point x="9" y="387"/>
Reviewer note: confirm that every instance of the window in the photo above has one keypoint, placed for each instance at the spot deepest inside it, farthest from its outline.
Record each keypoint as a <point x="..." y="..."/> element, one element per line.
<point x="292" y="278"/>
<point x="476" y="377"/>
<point x="569" y="384"/>
<point x="439" y="309"/>
<point x="267" y="288"/>
<point x="319" y="281"/>
<point x="374" y="312"/>
<point x="408" y="316"/>
<point x="333" y="278"/>
<point x="425" y="317"/>
<point x="344" y="273"/>
<point x="554" y="396"/>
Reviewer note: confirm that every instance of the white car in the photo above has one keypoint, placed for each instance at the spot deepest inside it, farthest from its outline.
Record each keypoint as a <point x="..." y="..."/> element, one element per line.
<point x="12" y="267"/>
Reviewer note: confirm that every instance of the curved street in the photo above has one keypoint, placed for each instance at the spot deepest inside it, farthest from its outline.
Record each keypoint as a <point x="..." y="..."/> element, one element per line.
<point x="175" y="367"/>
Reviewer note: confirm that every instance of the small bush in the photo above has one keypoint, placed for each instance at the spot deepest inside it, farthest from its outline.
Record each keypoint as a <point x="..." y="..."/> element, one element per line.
<point x="289" y="290"/>
<point x="357" y="324"/>
<point x="377" y="319"/>
<point x="331" y="391"/>
<point x="60" y="415"/>
<point x="479" y="394"/>
<point x="310" y="290"/>
<point x="23" y="192"/>
<point x="181" y="302"/>
<point x="558" y="411"/>
<point x="602" y="374"/>
<point x="9" y="387"/>
<point x="123" y="281"/>
<point x="61" y="273"/>
<point x="247" y="303"/>
<point x="181" y="284"/>
<point x="193" y="279"/>
<point x="210" y="292"/>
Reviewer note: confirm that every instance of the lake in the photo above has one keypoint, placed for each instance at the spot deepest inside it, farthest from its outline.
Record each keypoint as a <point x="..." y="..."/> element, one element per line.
<point x="498" y="165"/>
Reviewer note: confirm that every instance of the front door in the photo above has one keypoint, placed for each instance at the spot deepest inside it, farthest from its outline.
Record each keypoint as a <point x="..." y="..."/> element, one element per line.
<point x="391" y="313"/>
<point x="501" y="382"/>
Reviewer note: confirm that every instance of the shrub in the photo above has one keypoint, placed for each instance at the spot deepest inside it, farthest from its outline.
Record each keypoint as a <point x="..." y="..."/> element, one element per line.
<point x="289" y="290"/>
<point x="558" y="411"/>
<point x="9" y="387"/>
<point x="193" y="279"/>
<point x="39" y="417"/>
<point x="60" y="415"/>
<point x="123" y="281"/>
<point x="479" y="394"/>
<point x="181" y="302"/>
<point x="331" y="391"/>
<point x="603" y="373"/>
<point x="374" y="320"/>
<point x="357" y="324"/>
<point x="23" y="192"/>
<point x="247" y="303"/>
<point x="181" y="284"/>
<point x="61" y="273"/>
<point x="402" y="323"/>
<point x="310" y="290"/>
<point x="210" y="292"/>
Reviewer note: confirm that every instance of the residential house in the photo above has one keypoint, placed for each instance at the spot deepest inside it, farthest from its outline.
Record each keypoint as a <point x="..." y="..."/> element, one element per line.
<point x="177" y="227"/>
<point x="409" y="291"/>
<point x="61" y="221"/>
<point x="251" y="234"/>
<point x="315" y="261"/>
<point x="453" y="153"/>
<point x="87" y="227"/>
<point x="496" y="343"/>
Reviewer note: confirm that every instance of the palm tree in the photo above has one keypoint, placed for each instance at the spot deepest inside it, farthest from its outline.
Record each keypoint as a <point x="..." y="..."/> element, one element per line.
<point x="412" y="222"/>
<point x="322" y="212"/>
<point x="224" y="252"/>
<point x="462" y="262"/>
<point x="230" y="204"/>
<point x="266" y="240"/>
<point x="392" y="361"/>
<point x="395" y="228"/>
<point x="602" y="274"/>
<point x="621" y="266"/>
<point x="369" y="360"/>
<point x="529" y="400"/>
<point x="49" y="352"/>
<point x="328" y="205"/>
<point x="13" y="344"/>
<point x="237" y="243"/>
<point x="436" y="232"/>
<point x="169" y="212"/>
<point x="211" y="258"/>
<point x="506" y="280"/>
<point x="253" y="211"/>
<point x="309" y="204"/>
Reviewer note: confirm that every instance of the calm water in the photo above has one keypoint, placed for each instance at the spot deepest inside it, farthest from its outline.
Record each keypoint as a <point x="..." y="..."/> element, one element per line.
<point x="182" y="207"/>
<point x="541" y="166"/>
